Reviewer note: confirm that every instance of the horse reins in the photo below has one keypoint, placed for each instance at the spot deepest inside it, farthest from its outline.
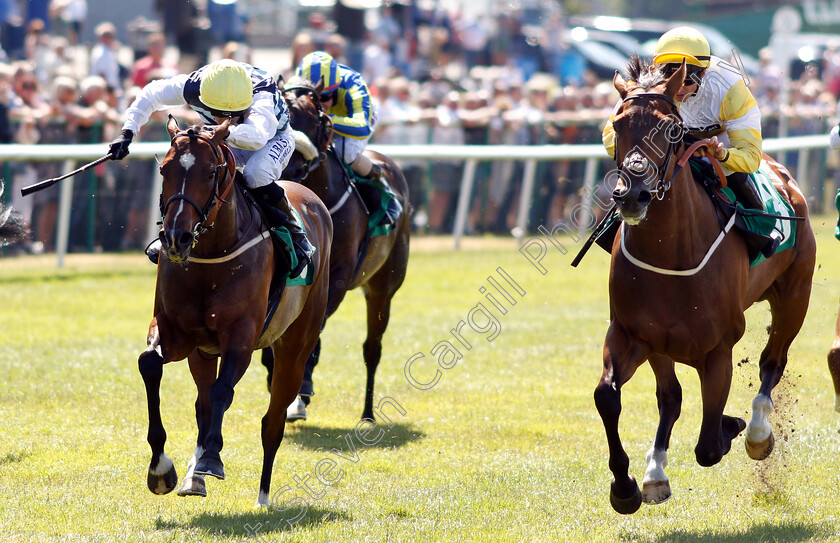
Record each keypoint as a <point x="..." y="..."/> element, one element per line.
<point x="222" y="164"/>
<point x="324" y="126"/>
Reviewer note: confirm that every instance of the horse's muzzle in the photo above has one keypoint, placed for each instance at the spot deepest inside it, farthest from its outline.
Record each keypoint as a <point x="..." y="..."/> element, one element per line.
<point x="632" y="204"/>
<point x="176" y="244"/>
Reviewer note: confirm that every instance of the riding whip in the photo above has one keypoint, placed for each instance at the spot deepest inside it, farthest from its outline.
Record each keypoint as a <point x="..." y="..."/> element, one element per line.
<point x="41" y="185"/>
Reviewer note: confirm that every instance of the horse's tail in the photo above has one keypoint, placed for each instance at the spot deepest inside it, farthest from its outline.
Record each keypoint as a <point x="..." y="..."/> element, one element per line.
<point x="12" y="224"/>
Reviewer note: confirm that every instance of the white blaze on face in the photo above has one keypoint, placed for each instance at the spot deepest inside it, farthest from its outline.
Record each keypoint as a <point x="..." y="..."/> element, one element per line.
<point x="187" y="161"/>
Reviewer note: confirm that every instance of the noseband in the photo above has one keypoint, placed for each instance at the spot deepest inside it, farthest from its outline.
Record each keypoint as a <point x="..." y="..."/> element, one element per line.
<point x="636" y="162"/>
<point x="322" y="136"/>
<point x="222" y="165"/>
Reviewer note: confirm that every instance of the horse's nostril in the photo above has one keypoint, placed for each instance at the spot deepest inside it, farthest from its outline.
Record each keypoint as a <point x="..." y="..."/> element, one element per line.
<point x="185" y="239"/>
<point x="644" y="197"/>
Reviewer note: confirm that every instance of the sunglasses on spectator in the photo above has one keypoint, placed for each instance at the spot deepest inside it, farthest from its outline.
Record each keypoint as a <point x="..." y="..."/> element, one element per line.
<point x="29" y="86"/>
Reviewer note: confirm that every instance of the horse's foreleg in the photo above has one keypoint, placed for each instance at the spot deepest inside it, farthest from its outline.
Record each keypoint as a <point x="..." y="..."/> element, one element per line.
<point x="203" y="369"/>
<point x="788" y="299"/>
<point x="621" y="359"/>
<point x="162" y="476"/>
<point x="655" y="485"/>
<point x="717" y="430"/>
<point x="234" y="363"/>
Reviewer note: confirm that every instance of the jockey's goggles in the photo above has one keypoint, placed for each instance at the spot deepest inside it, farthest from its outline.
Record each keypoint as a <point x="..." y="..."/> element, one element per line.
<point x="228" y="114"/>
<point x="692" y="73"/>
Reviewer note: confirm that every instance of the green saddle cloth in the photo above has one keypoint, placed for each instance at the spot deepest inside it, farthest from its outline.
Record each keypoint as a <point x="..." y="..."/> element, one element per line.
<point x="307" y="276"/>
<point x="376" y="215"/>
<point x="773" y="204"/>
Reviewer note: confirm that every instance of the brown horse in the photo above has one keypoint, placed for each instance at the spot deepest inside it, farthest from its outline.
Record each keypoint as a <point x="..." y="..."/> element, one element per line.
<point x="679" y="286"/>
<point x="376" y="264"/>
<point x="211" y="300"/>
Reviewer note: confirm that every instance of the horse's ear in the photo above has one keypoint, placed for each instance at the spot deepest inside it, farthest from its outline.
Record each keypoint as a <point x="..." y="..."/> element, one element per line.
<point x="221" y="131"/>
<point x="172" y="126"/>
<point x="319" y="87"/>
<point x="675" y="82"/>
<point x="620" y="85"/>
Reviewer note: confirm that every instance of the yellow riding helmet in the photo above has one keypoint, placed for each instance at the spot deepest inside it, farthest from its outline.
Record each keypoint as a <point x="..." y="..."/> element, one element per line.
<point x="683" y="43"/>
<point x="226" y="87"/>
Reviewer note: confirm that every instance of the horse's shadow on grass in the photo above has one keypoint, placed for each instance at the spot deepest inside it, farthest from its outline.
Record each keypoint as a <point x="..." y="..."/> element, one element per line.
<point x="257" y="524"/>
<point x="788" y="532"/>
<point x="381" y="436"/>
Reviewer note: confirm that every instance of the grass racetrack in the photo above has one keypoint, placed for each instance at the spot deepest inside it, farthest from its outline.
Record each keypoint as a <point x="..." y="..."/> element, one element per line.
<point x="506" y="444"/>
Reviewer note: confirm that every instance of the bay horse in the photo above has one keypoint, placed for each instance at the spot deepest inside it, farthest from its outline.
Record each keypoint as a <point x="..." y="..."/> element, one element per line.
<point x="211" y="301"/>
<point x="376" y="264"/>
<point x="679" y="286"/>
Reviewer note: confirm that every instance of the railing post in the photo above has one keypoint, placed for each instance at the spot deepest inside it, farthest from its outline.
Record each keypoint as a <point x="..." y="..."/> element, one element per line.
<point x="464" y="197"/>
<point x="525" y="199"/>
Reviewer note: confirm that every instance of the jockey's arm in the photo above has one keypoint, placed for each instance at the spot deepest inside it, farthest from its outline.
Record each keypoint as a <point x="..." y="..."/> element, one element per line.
<point x="157" y="95"/>
<point x="259" y="126"/>
<point x="742" y="119"/>
<point x="356" y="124"/>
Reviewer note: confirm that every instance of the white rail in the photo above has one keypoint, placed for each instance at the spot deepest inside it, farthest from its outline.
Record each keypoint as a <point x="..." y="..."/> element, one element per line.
<point x="471" y="154"/>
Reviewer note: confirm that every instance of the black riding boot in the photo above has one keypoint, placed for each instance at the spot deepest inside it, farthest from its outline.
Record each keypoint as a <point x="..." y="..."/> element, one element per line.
<point x="744" y="190"/>
<point x="376" y="177"/>
<point x="272" y="199"/>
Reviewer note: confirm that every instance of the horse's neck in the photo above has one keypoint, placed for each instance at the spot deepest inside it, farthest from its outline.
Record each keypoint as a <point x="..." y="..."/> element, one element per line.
<point x="326" y="181"/>
<point x="232" y="217"/>
<point x="678" y="230"/>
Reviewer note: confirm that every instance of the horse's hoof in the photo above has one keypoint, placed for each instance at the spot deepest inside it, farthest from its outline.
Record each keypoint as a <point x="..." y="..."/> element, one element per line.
<point x="760" y="451"/>
<point x="656" y="491"/>
<point x="193" y="486"/>
<point x="162" y="484"/>
<point x="296" y="411"/>
<point x="210" y="466"/>
<point x="628" y="505"/>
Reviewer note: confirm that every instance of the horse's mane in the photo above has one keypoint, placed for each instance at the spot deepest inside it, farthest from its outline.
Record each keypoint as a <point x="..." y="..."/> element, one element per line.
<point x="643" y="73"/>
<point x="297" y="81"/>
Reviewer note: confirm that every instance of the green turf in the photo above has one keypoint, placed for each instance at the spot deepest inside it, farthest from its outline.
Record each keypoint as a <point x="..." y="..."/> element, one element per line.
<point x="506" y="446"/>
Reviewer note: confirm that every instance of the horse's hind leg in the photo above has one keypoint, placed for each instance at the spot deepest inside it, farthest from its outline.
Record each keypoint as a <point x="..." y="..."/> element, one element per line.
<point x="162" y="476"/>
<point x="378" y="294"/>
<point x="289" y="359"/>
<point x="655" y="485"/>
<point x="203" y="369"/>
<point x="834" y="363"/>
<point x="622" y="357"/>
<point x="788" y="298"/>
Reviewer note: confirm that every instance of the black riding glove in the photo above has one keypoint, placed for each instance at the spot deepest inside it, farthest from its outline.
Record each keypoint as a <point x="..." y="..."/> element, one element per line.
<point x="119" y="147"/>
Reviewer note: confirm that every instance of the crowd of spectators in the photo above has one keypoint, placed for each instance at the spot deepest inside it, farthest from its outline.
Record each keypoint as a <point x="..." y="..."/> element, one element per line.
<point x="435" y="77"/>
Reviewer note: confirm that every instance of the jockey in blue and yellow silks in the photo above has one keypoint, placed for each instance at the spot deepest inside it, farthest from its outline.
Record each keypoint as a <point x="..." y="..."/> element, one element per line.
<point x="345" y="97"/>
<point x="714" y="102"/>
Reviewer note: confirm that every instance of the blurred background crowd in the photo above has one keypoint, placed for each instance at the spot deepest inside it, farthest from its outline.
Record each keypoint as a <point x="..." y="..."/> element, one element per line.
<point x="438" y="74"/>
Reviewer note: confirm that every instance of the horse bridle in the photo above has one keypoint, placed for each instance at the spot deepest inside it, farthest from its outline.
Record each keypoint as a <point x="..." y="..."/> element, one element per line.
<point x="660" y="185"/>
<point x="222" y="164"/>
<point x="324" y="126"/>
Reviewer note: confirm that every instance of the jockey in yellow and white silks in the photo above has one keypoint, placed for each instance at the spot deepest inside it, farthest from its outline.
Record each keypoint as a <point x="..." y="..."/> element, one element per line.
<point x="346" y="98"/>
<point x="714" y="102"/>
<point x="259" y="136"/>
